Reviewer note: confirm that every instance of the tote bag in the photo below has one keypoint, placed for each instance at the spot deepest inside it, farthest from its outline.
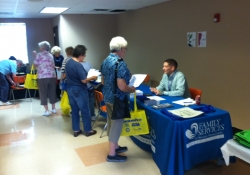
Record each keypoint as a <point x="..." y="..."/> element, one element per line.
<point x="31" y="79"/>
<point x="65" y="106"/>
<point x="137" y="124"/>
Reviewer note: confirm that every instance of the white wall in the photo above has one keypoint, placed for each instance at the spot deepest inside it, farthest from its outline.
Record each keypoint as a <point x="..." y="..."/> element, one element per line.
<point x="93" y="31"/>
<point x="37" y="30"/>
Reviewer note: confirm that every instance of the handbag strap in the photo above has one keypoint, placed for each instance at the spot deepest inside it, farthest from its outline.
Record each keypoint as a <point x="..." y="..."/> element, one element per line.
<point x="32" y="70"/>
<point x="115" y="80"/>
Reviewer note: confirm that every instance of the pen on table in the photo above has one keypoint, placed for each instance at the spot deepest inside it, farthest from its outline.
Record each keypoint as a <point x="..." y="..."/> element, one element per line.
<point x="188" y="102"/>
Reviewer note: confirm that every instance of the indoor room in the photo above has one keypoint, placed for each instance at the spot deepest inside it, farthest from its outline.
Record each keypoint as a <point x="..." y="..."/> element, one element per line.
<point x="208" y="39"/>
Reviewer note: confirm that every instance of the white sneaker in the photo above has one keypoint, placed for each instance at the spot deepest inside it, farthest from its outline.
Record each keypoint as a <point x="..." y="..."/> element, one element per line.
<point x="7" y="103"/>
<point x="46" y="113"/>
<point x="54" y="111"/>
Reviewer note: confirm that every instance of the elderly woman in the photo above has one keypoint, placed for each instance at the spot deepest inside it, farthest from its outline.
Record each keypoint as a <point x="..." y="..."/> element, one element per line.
<point x="58" y="60"/>
<point x="118" y="49"/>
<point x="46" y="76"/>
<point x="78" y="92"/>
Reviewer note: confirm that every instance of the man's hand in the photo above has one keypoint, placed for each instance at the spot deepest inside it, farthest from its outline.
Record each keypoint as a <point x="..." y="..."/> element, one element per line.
<point x="15" y="84"/>
<point x="156" y="91"/>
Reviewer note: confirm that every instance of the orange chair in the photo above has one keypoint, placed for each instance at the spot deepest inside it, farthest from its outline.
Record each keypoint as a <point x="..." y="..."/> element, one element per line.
<point x="194" y="92"/>
<point x="101" y="108"/>
<point x="21" y="81"/>
<point x="147" y="78"/>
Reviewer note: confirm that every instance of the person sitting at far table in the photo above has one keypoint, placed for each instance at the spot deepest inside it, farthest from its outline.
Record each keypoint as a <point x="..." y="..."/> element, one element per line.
<point x="173" y="82"/>
<point x="7" y="67"/>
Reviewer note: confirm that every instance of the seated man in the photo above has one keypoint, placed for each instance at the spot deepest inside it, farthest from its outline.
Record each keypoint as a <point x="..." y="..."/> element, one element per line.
<point x="173" y="82"/>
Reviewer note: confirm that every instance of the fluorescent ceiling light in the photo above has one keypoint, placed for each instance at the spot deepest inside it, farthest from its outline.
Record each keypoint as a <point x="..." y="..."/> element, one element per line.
<point x="57" y="10"/>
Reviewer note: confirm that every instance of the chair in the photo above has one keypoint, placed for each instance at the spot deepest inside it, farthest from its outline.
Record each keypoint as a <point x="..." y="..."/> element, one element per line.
<point x="101" y="108"/>
<point x="194" y="92"/>
<point x="21" y="81"/>
<point x="147" y="78"/>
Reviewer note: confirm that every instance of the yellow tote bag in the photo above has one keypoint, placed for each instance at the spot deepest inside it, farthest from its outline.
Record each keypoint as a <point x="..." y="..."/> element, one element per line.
<point x="65" y="106"/>
<point x="137" y="124"/>
<point x="31" y="79"/>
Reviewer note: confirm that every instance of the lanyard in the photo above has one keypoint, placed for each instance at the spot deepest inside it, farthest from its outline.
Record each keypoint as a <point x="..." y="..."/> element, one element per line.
<point x="170" y="80"/>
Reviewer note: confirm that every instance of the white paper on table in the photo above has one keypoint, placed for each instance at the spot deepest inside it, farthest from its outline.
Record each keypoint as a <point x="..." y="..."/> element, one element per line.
<point x="138" y="93"/>
<point x="185" y="102"/>
<point x="186" y="112"/>
<point x="137" y="79"/>
<point x="58" y="73"/>
<point x="93" y="72"/>
<point x="157" y="98"/>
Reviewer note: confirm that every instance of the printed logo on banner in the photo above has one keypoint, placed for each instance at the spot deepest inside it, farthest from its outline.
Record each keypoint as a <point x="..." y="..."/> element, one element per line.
<point x="204" y="132"/>
<point x="152" y="133"/>
<point x="193" y="131"/>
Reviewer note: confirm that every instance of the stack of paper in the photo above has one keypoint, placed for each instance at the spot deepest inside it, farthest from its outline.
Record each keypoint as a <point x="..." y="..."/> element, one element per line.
<point x="138" y="93"/>
<point x="186" y="112"/>
<point x="93" y="72"/>
<point x="137" y="79"/>
<point x="156" y="98"/>
<point x="185" y="102"/>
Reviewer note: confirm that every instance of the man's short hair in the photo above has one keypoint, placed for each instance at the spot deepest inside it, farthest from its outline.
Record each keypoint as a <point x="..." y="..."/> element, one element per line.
<point x="12" y="58"/>
<point x="79" y="50"/>
<point x="117" y="43"/>
<point x="172" y="62"/>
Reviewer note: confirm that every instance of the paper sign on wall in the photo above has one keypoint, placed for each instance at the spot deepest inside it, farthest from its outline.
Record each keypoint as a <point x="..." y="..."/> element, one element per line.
<point x="202" y="39"/>
<point x="191" y="39"/>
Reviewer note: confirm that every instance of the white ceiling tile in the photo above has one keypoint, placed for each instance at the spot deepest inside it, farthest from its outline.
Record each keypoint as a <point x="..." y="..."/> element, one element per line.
<point x="28" y="9"/>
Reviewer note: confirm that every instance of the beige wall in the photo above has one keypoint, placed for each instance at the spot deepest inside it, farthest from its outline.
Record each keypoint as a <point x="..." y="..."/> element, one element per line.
<point x="221" y="69"/>
<point x="37" y="30"/>
<point x="158" y="32"/>
<point x="93" y="31"/>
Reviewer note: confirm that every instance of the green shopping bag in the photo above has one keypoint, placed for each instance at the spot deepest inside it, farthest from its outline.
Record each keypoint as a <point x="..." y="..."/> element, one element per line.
<point x="137" y="124"/>
<point x="243" y="138"/>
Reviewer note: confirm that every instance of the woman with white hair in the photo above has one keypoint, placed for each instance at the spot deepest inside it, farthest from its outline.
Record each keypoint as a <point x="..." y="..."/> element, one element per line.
<point x="118" y="49"/>
<point x="58" y="60"/>
<point x="46" y="76"/>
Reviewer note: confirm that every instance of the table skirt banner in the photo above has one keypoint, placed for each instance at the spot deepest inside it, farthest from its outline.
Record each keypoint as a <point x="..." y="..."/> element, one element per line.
<point x="180" y="145"/>
<point x="204" y="136"/>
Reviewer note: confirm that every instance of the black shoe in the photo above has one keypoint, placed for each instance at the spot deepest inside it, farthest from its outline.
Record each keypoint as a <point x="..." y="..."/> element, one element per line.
<point x="93" y="132"/>
<point x="76" y="133"/>
<point x="121" y="149"/>
<point x="116" y="158"/>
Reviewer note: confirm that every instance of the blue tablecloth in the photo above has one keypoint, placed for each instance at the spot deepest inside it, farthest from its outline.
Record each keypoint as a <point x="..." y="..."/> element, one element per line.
<point x="180" y="145"/>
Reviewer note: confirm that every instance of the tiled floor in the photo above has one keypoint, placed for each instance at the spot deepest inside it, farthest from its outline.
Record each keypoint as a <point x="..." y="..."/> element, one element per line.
<point x="31" y="144"/>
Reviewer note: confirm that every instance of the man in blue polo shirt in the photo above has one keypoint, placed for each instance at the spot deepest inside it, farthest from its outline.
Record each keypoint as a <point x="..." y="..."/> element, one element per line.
<point x="6" y="68"/>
